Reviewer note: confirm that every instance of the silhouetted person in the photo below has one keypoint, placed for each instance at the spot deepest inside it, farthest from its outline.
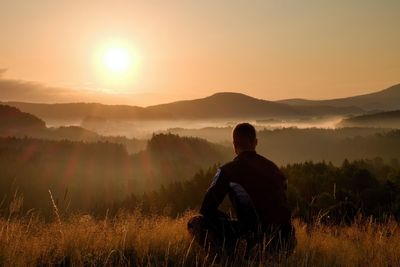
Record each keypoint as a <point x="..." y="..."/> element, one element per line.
<point x="257" y="191"/>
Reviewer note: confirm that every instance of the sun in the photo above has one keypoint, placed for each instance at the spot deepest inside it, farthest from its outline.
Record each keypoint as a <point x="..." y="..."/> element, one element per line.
<point x="117" y="59"/>
<point x="117" y="65"/>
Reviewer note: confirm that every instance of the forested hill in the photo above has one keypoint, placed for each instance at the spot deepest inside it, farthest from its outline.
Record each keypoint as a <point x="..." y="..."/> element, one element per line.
<point x="317" y="192"/>
<point x="298" y="145"/>
<point x="90" y="176"/>
<point x="13" y="120"/>
<point x="389" y="119"/>
<point x="87" y="176"/>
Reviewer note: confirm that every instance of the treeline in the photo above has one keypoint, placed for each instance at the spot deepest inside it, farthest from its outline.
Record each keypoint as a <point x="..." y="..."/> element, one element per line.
<point x="337" y="193"/>
<point x="287" y="146"/>
<point x="169" y="158"/>
<point x="292" y="145"/>
<point x="92" y="176"/>
<point x="80" y="175"/>
<point x="387" y="119"/>
<point x="224" y="134"/>
<point x="99" y="176"/>
<point x="316" y="191"/>
<point x="15" y="123"/>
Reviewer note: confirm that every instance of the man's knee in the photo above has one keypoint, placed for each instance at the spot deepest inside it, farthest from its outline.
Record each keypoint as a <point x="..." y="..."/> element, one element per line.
<point x="196" y="225"/>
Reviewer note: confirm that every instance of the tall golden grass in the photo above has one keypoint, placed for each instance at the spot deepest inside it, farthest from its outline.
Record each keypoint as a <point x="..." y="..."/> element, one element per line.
<point x="132" y="239"/>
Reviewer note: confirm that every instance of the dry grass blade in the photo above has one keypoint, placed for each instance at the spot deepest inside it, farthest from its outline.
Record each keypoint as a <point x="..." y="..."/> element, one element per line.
<point x="55" y="208"/>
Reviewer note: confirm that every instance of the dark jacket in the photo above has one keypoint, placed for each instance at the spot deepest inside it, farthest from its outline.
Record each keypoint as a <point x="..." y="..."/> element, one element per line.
<point x="256" y="188"/>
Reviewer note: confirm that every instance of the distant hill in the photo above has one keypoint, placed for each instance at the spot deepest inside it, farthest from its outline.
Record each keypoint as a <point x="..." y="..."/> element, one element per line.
<point x="217" y="106"/>
<point x="387" y="99"/>
<point x="389" y="119"/>
<point x="13" y="120"/>
<point x="170" y="158"/>
<point x="236" y="105"/>
<point x="79" y="111"/>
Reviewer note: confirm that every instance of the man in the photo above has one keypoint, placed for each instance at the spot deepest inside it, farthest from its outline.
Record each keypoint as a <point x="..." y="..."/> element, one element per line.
<point x="257" y="191"/>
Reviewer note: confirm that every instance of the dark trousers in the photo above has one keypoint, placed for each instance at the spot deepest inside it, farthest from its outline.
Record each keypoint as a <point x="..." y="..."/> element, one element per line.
<point x="219" y="232"/>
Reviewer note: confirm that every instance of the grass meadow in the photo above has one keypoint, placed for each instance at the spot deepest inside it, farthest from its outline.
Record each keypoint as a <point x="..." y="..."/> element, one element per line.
<point x="132" y="239"/>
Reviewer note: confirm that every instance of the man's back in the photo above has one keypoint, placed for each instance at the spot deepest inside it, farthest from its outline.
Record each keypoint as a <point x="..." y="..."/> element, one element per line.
<point x="257" y="190"/>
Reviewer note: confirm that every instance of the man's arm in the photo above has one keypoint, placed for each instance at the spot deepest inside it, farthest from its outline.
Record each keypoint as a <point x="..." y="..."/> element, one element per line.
<point x="215" y="194"/>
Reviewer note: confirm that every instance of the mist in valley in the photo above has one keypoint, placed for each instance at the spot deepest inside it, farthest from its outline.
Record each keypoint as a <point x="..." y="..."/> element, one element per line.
<point x="212" y="130"/>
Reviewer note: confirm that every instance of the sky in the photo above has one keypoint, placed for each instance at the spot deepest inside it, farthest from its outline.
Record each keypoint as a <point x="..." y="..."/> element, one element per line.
<point x="53" y="51"/>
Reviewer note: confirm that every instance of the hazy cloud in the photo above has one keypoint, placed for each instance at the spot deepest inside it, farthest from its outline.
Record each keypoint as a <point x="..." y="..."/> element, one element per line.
<point x="18" y="90"/>
<point x="2" y="71"/>
<point x="26" y="91"/>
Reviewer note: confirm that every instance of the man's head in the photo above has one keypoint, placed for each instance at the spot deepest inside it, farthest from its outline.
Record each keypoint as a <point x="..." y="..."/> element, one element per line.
<point x="244" y="138"/>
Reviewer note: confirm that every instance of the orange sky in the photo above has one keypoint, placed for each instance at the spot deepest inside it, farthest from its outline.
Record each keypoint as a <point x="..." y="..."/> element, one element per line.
<point x="188" y="49"/>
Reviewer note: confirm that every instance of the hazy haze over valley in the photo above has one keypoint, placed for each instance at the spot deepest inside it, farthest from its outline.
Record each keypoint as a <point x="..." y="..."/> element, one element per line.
<point x="218" y="110"/>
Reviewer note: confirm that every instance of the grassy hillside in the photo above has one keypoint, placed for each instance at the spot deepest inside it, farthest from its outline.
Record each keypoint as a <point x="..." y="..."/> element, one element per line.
<point x="132" y="239"/>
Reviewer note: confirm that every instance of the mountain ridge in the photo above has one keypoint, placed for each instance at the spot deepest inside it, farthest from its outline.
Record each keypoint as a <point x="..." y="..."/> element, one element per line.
<point x="217" y="106"/>
<point x="386" y="99"/>
<point x="221" y="105"/>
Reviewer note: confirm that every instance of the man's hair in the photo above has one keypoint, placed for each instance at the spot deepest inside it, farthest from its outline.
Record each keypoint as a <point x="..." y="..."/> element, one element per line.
<point x="244" y="135"/>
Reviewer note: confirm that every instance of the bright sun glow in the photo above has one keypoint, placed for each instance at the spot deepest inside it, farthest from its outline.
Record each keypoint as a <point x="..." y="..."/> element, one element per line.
<point x="117" y="66"/>
<point x="117" y="60"/>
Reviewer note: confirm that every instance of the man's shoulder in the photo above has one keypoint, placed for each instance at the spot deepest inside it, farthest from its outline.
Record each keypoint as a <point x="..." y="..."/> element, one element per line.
<point x="237" y="163"/>
<point x="268" y="165"/>
<point x="229" y="165"/>
<point x="267" y="161"/>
